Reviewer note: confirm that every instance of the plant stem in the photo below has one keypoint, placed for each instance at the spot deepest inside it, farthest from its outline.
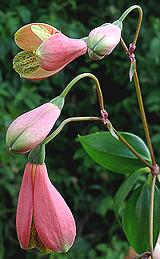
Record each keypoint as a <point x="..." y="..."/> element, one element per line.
<point x="76" y="79"/>
<point x="143" y="116"/>
<point x="151" y="213"/>
<point x="66" y="121"/>
<point x="125" y="142"/>
<point x="141" y="107"/>
<point x="124" y="15"/>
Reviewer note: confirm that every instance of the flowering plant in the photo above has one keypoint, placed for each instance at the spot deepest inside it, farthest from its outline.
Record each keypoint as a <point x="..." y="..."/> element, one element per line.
<point x="136" y="202"/>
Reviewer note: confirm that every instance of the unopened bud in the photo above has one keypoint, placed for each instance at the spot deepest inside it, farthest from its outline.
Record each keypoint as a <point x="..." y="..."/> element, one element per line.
<point x="102" y="40"/>
<point x="31" y="128"/>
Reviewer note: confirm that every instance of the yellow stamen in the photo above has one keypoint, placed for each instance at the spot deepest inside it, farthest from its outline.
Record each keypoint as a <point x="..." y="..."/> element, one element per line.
<point x="25" y="63"/>
<point x="35" y="241"/>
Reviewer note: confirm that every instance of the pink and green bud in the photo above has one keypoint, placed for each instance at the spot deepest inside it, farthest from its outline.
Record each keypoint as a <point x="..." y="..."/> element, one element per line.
<point x="102" y="40"/>
<point x="43" y="218"/>
<point x="45" y="51"/>
<point x="31" y="128"/>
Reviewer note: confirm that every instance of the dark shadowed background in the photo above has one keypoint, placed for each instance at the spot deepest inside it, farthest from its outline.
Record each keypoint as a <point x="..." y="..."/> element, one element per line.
<point x="87" y="188"/>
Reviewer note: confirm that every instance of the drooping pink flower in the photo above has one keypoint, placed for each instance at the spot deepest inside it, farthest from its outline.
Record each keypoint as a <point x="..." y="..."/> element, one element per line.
<point x="43" y="218"/>
<point x="31" y="128"/>
<point x="102" y="40"/>
<point x="46" y="50"/>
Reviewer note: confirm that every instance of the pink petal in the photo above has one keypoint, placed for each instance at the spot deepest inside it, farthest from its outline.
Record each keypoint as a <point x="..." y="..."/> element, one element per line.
<point x="102" y="40"/>
<point x="156" y="252"/>
<point x="53" y="219"/>
<point x="31" y="128"/>
<point x="27" y="40"/>
<point x="59" y="50"/>
<point x="25" y="208"/>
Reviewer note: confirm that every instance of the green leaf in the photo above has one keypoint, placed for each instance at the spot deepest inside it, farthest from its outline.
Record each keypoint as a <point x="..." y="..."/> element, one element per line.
<point x="114" y="155"/>
<point x="125" y="189"/>
<point x="135" y="218"/>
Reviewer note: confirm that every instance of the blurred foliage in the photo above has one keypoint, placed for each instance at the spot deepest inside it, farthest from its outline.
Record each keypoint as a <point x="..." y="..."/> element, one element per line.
<point x="87" y="188"/>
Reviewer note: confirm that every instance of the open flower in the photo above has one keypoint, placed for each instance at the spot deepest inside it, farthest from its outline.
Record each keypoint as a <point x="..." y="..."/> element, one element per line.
<point x="43" y="218"/>
<point x="46" y="50"/>
<point x="31" y="128"/>
<point x="102" y="40"/>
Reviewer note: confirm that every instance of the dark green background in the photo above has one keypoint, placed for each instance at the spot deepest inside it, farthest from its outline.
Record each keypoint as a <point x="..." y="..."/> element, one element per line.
<point x="87" y="188"/>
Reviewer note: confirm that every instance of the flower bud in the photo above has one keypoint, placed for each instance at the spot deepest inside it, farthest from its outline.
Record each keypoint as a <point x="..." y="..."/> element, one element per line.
<point x="31" y="128"/>
<point x="102" y="40"/>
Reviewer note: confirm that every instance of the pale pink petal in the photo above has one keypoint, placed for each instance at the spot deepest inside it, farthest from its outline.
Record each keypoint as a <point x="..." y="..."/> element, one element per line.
<point x="59" y="50"/>
<point x="156" y="252"/>
<point x="27" y="40"/>
<point x="25" y="208"/>
<point x="31" y="128"/>
<point x="53" y="219"/>
<point x="102" y="40"/>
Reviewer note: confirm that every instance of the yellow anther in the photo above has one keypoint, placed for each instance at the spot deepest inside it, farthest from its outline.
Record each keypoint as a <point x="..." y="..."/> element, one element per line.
<point x="25" y="63"/>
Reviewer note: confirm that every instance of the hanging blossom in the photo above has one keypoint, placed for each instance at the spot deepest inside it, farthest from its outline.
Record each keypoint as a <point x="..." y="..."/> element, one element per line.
<point x="43" y="219"/>
<point x="45" y="50"/>
<point x="31" y="128"/>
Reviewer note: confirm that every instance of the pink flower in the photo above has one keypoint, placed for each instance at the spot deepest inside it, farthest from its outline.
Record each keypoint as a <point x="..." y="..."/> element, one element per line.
<point x="31" y="128"/>
<point x="156" y="252"/>
<point x="46" y="50"/>
<point x="102" y="40"/>
<point x="43" y="218"/>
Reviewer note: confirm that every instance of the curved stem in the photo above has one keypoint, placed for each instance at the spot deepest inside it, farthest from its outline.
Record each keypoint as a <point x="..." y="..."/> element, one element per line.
<point x="151" y="213"/>
<point x="124" y="46"/>
<point x="125" y="142"/>
<point x="76" y="79"/>
<point x="66" y="121"/>
<point x="124" y="15"/>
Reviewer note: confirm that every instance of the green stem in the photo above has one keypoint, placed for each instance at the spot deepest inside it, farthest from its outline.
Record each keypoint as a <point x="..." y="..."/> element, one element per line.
<point x="66" y="121"/>
<point x="141" y="108"/>
<point x="143" y="115"/>
<point x="76" y="79"/>
<point x="125" y="142"/>
<point x="151" y="213"/>
<point x="130" y="9"/>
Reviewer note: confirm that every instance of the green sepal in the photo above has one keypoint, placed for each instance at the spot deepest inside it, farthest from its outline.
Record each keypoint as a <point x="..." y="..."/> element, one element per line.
<point x="58" y="101"/>
<point x="119" y="24"/>
<point x="37" y="155"/>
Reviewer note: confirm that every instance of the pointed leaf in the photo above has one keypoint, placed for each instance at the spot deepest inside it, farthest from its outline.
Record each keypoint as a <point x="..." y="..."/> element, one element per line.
<point x="125" y="189"/>
<point x="136" y="218"/>
<point x="114" y="155"/>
